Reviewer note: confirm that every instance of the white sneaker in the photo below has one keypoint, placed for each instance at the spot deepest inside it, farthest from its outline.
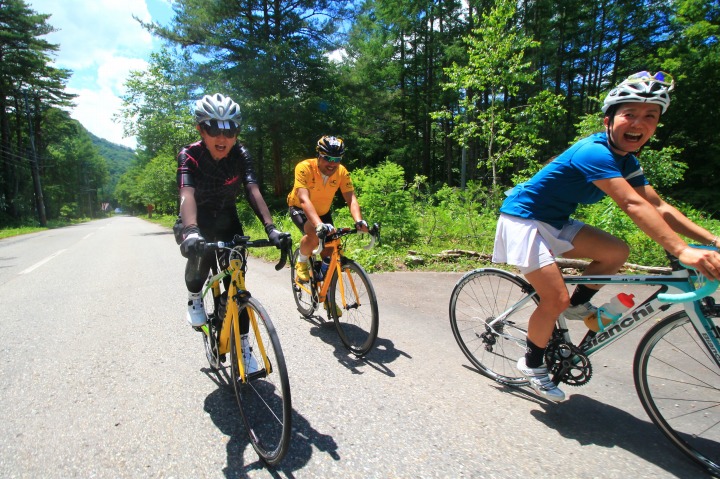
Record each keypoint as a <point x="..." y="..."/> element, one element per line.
<point x="196" y="311"/>
<point x="579" y="312"/>
<point x="250" y="363"/>
<point x="540" y="381"/>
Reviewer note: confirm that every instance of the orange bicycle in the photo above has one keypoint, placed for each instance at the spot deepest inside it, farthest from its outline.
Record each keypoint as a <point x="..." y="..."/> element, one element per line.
<point x="345" y="290"/>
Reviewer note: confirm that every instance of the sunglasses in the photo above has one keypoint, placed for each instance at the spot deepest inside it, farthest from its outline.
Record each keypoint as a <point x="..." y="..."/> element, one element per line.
<point x="214" y="130"/>
<point x="660" y="77"/>
<point x="331" y="159"/>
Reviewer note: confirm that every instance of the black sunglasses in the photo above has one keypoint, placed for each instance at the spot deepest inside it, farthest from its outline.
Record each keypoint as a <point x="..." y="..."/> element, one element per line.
<point x="214" y="130"/>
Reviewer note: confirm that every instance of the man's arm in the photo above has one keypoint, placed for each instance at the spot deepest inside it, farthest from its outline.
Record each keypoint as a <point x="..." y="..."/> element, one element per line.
<point x="303" y="195"/>
<point x="257" y="203"/>
<point x="188" y="206"/>
<point x="354" y="207"/>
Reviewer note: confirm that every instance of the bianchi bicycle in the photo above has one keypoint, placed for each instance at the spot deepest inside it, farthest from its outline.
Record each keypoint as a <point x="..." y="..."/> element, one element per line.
<point x="676" y="368"/>
<point x="238" y="325"/>
<point x="344" y="289"/>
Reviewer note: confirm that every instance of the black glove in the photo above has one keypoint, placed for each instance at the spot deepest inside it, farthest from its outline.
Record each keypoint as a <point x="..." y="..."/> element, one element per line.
<point x="324" y="229"/>
<point x="191" y="241"/>
<point x="274" y="235"/>
<point x="360" y="224"/>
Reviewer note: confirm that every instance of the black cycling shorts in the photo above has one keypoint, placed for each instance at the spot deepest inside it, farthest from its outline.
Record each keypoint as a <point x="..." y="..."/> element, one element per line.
<point x="297" y="215"/>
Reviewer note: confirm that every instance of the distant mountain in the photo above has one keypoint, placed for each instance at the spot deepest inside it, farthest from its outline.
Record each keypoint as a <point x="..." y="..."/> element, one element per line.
<point x="119" y="158"/>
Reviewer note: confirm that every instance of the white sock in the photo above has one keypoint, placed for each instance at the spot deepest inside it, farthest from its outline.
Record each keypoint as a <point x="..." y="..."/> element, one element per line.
<point x="302" y="258"/>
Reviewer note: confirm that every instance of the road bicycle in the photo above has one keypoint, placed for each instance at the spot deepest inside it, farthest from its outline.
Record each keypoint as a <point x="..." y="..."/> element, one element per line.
<point x="676" y="368"/>
<point x="264" y="395"/>
<point x="344" y="289"/>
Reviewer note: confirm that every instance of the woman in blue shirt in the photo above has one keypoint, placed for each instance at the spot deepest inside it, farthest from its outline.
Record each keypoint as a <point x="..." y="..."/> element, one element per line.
<point x="535" y="224"/>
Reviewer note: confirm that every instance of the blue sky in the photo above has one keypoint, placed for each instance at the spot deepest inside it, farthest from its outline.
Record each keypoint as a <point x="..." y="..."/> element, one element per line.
<point x="101" y="43"/>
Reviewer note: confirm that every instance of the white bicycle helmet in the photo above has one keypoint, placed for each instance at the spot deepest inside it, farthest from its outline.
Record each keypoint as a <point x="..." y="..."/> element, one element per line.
<point x="642" y="87"/>
<point x="219" y="108"/>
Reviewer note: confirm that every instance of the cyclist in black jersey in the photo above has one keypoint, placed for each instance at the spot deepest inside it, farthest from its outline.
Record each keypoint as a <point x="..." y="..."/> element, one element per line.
<point x="211" y="174"/>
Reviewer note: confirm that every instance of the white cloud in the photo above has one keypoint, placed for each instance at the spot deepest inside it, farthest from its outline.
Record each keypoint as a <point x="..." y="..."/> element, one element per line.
<point x="101" y="42"/>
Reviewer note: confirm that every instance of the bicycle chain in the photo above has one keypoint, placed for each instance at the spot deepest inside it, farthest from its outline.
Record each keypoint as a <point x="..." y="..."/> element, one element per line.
<point x="567" y="363"/>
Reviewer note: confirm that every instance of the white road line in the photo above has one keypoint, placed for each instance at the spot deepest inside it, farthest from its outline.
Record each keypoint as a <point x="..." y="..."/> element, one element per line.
<point x="88" y="235"/>
<point x="40" y="263"/>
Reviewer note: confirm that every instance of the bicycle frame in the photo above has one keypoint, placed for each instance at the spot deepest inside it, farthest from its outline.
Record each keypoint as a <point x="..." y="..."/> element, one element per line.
<point x="680" y="281"/>
<point x="335" y="265"/>
<point x="231" y="320"/>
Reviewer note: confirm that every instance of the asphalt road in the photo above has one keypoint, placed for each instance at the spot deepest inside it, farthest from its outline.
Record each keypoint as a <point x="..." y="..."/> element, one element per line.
<point x="101" y="377"/>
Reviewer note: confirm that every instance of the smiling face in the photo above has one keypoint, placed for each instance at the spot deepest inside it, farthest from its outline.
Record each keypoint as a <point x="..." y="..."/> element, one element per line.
<point x="632" y="125"/>
<point x="218" y="146"/>
<point x="327" y="168"/>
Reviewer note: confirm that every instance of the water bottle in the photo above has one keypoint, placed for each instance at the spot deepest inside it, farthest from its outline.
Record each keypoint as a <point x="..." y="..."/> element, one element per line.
<point x="324" y="266"/>
<point x="610" y="312"/>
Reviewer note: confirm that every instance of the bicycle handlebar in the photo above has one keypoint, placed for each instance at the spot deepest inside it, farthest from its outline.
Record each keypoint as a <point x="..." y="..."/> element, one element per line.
<point x="246" y="242"/>
<point x="706" y="290"/>
<point x="374" y="233"/>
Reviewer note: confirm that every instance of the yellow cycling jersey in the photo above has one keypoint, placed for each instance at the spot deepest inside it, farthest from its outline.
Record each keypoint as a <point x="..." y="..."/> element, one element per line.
<point x="322" y="192"/>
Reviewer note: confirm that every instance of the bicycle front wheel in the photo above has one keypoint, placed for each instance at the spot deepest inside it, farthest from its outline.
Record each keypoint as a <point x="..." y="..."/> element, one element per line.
<point x="678" y="382"/>
<point x="489" y="313"/>
<point x="211" y="328"/>
<point x="302" y="292"/>
<point x="264" y="396"/>
<point x="353" y="306"/>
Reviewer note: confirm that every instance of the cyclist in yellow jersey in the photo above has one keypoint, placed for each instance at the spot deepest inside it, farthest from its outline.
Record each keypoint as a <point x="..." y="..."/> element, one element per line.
<point x="316" y="182"/>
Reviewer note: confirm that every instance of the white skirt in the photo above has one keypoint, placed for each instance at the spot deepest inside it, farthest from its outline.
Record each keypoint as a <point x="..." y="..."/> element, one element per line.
<point x="530" y="244"/>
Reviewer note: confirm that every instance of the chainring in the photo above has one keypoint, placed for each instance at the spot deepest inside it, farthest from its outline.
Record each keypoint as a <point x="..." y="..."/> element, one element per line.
<point x="567" y="363"/>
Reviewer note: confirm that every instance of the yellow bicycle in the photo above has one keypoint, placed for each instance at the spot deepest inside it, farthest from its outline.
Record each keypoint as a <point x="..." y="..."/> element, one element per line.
<point x="239" y="325"/>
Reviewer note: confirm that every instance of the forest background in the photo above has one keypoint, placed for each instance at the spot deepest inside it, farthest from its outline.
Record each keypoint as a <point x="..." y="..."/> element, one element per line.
<point x="444" y="105"/>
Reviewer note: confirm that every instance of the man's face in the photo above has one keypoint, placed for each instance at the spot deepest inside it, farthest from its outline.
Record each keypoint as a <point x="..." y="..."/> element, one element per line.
<point x="218" y="146"/>
<point x="327" y="167"/>
<point x="633" y="125"/>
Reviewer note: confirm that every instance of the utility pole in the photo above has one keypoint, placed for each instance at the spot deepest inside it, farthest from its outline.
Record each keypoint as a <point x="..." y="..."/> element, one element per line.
<point x="39" y="201"/>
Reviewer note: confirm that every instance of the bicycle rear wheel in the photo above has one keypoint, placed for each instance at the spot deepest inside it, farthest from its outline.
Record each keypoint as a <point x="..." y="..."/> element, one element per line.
<point x="264" y="398"/>
<point x="678" y="383"/>
<point x="353" y="306"/>
<point x="302" y="292"/>
<point x="480" y="297"/>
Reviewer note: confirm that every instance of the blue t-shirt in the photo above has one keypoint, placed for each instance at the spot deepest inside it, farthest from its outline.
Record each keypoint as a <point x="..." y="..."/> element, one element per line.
<point x="555" y="192"/>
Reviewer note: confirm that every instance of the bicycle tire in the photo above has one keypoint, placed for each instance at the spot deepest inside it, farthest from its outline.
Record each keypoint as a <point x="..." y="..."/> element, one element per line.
<point x="358" y="325"/>
<point x="302" y="292"/>
<point x="479" y="297"/>
<point x="678" y="383"/>
<point x="210" y="330"/>
<point x="264" y="399"/>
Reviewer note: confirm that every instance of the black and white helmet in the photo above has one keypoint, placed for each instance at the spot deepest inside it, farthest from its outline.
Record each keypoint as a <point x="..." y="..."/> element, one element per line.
<point x="219" y="108"/>
<point x="642" y="87"/>
<point x="331" y="146"/>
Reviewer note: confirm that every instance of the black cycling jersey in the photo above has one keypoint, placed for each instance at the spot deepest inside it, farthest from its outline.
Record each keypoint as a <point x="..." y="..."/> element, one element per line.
<point x="217" y="183"/>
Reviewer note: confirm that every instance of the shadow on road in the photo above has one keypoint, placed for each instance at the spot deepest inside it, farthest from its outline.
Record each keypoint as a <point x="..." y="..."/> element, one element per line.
<point x="222" y="407"/>
<point x="382" y="353"/>
<point x="588" y="421"/>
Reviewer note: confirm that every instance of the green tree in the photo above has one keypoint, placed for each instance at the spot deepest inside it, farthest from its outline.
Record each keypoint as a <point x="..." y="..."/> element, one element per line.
<point x="269" y="57"/>
<point x="25" y="73"/>
<point x="492" y="111"/>
<point x="692" y="55"/>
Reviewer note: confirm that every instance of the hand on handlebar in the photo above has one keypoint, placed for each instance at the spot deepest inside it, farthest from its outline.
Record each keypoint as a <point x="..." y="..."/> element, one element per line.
<point x="275" y="236"/>
<point x="192" y="241"/>
<point x="705" y="261"/>
<point x="324" y="229"/>
<point x="361" y="225"/>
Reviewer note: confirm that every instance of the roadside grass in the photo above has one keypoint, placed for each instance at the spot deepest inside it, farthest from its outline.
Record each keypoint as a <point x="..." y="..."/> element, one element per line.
<point x="27" y="229"/>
